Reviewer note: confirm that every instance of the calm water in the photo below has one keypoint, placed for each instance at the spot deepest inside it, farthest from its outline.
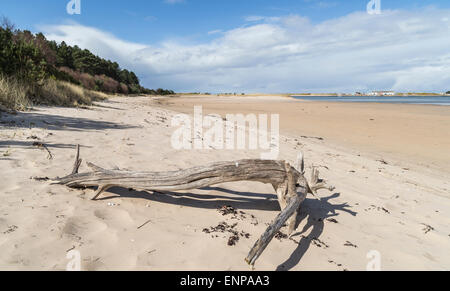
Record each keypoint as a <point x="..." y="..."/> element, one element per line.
<point x="433" y="100"/>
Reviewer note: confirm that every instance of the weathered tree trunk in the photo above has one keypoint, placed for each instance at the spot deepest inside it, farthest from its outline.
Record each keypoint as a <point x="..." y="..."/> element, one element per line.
<point x="289" y="183"/>
<point x="272" y="172"/>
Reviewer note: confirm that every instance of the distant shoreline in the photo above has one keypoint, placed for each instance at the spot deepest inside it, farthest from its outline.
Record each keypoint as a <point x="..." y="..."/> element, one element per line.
<point x="409" y="100"/>
<point x="305" y="95"/>
<point x="339" y="96"/>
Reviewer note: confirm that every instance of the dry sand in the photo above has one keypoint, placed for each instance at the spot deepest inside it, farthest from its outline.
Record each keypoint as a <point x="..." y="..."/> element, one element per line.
<point x="391" y="176"/>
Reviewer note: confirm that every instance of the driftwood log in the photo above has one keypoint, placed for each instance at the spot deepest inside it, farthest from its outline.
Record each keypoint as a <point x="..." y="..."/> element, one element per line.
<point x="289" y="183"/>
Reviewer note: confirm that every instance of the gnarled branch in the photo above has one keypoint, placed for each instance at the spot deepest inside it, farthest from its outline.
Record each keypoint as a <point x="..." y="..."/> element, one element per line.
<point x="289" y="183"/>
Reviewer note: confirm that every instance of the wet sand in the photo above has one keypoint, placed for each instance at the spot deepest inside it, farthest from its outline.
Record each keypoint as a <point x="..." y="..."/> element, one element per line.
<point x="411" y="134"/>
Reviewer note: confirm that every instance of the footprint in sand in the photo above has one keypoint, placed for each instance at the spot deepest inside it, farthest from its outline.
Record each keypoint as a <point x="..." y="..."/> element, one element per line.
<point x="115" y="217"/>
<point x="83" y="227"/>
<point x="93" y="264"/>
<point x="3" y="224"/>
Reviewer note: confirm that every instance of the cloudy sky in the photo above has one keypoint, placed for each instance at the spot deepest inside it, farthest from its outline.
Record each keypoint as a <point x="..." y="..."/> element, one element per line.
<point x="258" y="45"/>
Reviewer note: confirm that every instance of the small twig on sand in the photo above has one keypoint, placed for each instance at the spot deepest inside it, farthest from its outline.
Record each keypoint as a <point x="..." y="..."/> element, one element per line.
<point x="41" y="145"/>
<point x="7" y="153"/>
<point x="71" y="249"/>
<point x="427" y="228"/>
<point x="383" y="162"/>
<point x="78" y="161"/>
<point x="147" y="222"/>
<point x="40" y="179"/>
<point x="312" y="137"/>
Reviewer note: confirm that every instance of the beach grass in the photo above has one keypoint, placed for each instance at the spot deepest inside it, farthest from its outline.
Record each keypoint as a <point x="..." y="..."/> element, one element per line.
<point x="19" y="95"/>
<point x="13" y="94"/>
<point x="59" y="93"/>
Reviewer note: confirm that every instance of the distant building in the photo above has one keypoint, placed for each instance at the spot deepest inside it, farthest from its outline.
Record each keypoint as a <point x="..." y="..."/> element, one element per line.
<point x="381" y="93"/>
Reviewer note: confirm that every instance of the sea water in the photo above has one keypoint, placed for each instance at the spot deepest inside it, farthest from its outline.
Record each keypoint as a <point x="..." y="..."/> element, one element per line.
<point x="432" y="100"/>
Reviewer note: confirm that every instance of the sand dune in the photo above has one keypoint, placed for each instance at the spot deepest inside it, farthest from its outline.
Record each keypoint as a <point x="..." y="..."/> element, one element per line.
<point x="386" y="202"/>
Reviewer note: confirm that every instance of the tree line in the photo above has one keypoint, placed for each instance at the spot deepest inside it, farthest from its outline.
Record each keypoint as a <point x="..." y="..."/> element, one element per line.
<point x="33" y="58"/>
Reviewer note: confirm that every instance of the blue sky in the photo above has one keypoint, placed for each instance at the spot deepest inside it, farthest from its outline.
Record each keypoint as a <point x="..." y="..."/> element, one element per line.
<point x="157" y="20"/>
<point x="208" y="40"/>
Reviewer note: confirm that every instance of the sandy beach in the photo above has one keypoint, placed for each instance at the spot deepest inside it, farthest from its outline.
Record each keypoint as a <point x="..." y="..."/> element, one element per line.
<point x="416" y="134"/>
<point x="389" y="165"/>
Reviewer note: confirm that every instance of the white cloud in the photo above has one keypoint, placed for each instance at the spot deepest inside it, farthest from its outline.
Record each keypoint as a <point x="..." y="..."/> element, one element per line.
<point x="257" y="18"/>
<point x="217" y="31"/>
<point x="99" y="42"/>
<point x="399" y="50"/>
<point x="254" y="18"/>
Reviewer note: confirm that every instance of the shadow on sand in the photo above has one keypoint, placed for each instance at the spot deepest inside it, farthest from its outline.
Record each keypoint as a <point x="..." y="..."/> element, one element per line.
<point x="57" y="122"/>
<point x="315" y="211"/>
<point x="29" y="144"/>
<point x="240" y="200"/>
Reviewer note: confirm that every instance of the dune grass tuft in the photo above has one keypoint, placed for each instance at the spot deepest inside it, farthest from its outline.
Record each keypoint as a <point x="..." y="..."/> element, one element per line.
<point x="59" y="93"/>
<point x="13" y="94"/>
<point x="17" y="95"/>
